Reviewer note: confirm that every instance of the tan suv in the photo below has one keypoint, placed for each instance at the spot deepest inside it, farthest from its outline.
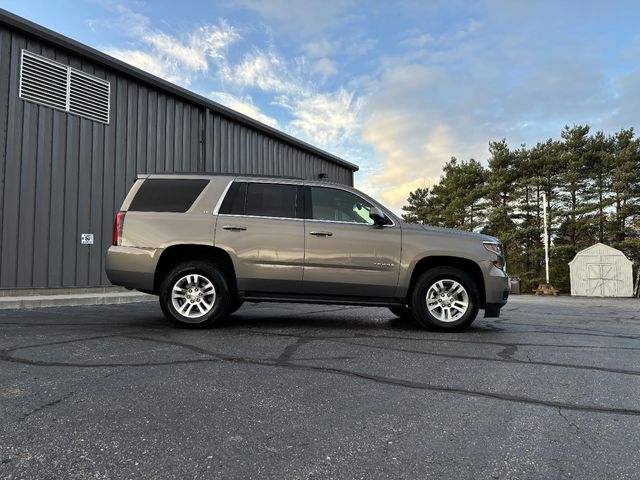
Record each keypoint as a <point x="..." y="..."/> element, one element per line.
<point x="205" y="244"/>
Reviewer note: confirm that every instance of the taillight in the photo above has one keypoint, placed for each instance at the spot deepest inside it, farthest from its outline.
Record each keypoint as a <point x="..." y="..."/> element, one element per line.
<point x="117" y="228"/>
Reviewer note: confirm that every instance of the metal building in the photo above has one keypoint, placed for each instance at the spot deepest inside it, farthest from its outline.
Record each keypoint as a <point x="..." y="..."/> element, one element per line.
<point x="77" y="126"/>
<point x="601" y="271"/>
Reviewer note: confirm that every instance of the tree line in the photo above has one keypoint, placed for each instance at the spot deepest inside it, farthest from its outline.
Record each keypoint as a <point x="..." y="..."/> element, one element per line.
<point x="592" y="187"/>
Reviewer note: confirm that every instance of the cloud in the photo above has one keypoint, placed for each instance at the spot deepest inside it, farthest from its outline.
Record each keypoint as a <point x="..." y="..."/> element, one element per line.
<point x="326" y="119"/>
<point x="150" y="63"/>
<point x="266" y="71"/>
<point x="418" y="41"/>
<point x="243" y="105"/>
<point x="325" y="68"/>
<point x="174" y="58"/>
<point x="319" y="48"/>
<point x="195" y="50"/>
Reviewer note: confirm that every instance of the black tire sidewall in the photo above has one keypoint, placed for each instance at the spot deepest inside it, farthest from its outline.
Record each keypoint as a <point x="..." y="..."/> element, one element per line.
<point x="213" y="274"/>
<point x="419" y="303"/>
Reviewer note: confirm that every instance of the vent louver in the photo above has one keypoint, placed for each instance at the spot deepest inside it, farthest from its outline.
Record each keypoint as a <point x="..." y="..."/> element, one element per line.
<point x="89" y="96"/>
<point x="59" y="86"/>
<point x="43" y="81"/>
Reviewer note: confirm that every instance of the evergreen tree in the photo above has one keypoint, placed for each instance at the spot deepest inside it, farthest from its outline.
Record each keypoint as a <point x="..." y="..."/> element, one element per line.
<point x="418" y="205"/>
<point x="501" y="193"/>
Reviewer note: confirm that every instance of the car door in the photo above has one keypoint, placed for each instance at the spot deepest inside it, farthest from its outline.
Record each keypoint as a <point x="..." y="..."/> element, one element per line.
<point x="261" y="226"/>
<point x="345" y="253"/>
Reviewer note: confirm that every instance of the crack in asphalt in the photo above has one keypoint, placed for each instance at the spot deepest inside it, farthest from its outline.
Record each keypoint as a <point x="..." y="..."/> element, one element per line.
<point x="290" y="350"/>
<point x="445" y="340"/>
<point x="503" y="359"/>
<point x="506" y="355"/>
<point x="576" y="432"/>
<point x="53" y="403"/>
<point x="44" y="406"/>
<point x="284" y="361"/>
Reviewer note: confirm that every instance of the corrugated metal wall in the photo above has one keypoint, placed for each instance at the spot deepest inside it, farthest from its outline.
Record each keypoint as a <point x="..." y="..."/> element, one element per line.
<point x="61" y="175"/>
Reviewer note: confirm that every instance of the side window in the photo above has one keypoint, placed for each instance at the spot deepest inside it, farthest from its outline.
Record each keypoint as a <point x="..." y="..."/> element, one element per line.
<point x="271" y="200"/>
<point x="338" y="206"/>
<point x="167" y="195"/>
<point x="233" y="203"/>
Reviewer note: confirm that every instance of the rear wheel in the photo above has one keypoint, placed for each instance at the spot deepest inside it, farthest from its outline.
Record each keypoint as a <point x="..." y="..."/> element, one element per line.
<point x="194" y="295"/>
<point x="445" y="298"/>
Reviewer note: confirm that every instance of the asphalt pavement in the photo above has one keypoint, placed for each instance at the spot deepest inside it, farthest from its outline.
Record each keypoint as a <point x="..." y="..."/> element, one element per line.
<point x="550" y="390"/>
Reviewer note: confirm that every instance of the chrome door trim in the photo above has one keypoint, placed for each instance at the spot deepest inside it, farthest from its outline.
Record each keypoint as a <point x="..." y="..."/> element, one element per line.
<point x="260" y="216"/>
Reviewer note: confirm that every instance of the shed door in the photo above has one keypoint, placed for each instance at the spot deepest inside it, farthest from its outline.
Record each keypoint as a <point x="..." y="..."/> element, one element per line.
<point x="601" y="280"/>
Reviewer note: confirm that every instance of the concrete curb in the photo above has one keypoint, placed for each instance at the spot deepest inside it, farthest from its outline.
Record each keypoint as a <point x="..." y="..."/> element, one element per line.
<point x="72" y="300"/>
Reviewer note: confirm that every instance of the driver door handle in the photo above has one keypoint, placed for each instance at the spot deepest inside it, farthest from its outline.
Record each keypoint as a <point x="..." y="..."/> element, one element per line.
<point x="321" y="234"/>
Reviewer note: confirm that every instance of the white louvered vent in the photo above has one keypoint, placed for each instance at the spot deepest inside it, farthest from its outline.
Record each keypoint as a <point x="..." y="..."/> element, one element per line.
<point x="43" y="81"/>
<point x="59" y="86"/>
<point x="89" y="96"/>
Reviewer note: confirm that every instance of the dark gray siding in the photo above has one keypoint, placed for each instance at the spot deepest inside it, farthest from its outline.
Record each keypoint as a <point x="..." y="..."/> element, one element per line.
<point x="62" y="175"/>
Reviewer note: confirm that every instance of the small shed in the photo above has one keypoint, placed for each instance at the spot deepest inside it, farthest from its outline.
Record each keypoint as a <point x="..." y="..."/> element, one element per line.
<point x="601" y="271"/>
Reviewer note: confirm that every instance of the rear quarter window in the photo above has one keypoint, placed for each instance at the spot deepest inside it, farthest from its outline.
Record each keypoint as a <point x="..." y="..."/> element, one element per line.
<point x="167" y="195"/>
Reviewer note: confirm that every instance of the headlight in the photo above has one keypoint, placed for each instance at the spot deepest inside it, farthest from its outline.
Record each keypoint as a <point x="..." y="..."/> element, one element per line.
<point x="493" y="247"/>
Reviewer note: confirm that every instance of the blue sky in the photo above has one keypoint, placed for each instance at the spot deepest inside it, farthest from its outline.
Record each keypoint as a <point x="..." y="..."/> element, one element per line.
<point x="396" y="87"/>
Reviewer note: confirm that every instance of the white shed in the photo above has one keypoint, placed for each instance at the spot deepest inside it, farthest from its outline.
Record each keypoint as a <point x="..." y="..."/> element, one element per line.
<point x="601" y="271"/>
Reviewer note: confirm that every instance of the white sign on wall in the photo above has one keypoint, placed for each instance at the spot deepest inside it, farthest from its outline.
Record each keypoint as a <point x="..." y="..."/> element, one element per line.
<point x="86" y="238"/>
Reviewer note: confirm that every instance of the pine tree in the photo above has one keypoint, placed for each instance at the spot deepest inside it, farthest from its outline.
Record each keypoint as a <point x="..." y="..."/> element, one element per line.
<point x="501" y="193"/>
<point x="417" y="206"/>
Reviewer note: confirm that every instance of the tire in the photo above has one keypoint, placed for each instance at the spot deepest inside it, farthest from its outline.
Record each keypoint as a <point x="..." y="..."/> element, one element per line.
<point x="445" y="312"/>
<point x="203" y="287"/>
<point x="402" y="312"/>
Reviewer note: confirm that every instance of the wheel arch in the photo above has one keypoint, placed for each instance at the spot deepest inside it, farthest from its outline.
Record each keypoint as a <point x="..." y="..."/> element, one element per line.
<point x="466" y="265"/>
<point x="176" y="254"/>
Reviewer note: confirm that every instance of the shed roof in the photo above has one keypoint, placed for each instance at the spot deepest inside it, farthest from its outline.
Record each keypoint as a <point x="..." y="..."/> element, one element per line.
<point x="30" y="28"/>
<point x="599" y="249"/>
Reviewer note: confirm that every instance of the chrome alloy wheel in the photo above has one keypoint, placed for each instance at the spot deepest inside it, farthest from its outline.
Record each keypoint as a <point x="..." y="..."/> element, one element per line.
<point x="447" y="300"/>
<point x="193" y="296"/>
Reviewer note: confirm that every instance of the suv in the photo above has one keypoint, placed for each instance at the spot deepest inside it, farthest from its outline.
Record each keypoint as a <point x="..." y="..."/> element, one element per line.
<point x="206" y="243"/>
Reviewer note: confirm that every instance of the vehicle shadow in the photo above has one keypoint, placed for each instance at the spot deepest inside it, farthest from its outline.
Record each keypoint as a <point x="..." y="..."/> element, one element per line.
<point x="337" y="322"/>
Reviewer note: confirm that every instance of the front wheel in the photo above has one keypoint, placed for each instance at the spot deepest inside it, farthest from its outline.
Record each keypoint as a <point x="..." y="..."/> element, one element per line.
<point x="445" y="298"/>
<point x="194" y="295"/>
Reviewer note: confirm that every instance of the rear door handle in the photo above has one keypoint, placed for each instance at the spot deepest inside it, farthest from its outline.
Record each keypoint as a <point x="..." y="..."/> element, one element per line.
<point x="234" y="228"/>
<point x="321" y="234"/>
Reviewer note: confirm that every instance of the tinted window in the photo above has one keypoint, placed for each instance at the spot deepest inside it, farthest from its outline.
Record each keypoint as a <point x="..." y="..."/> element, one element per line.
<point x="271" y="200"/>
<point x="233" y="202"/>
<point x="338" y="206"/>
<point x="167" y="195"/>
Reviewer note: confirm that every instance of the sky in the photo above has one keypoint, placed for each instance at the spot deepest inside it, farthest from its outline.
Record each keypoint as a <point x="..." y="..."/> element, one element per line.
<point x="395" y="87"/>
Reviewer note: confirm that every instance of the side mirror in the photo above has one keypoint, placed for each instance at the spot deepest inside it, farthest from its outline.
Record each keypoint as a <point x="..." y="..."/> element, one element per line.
<point x="377" y="215"/>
